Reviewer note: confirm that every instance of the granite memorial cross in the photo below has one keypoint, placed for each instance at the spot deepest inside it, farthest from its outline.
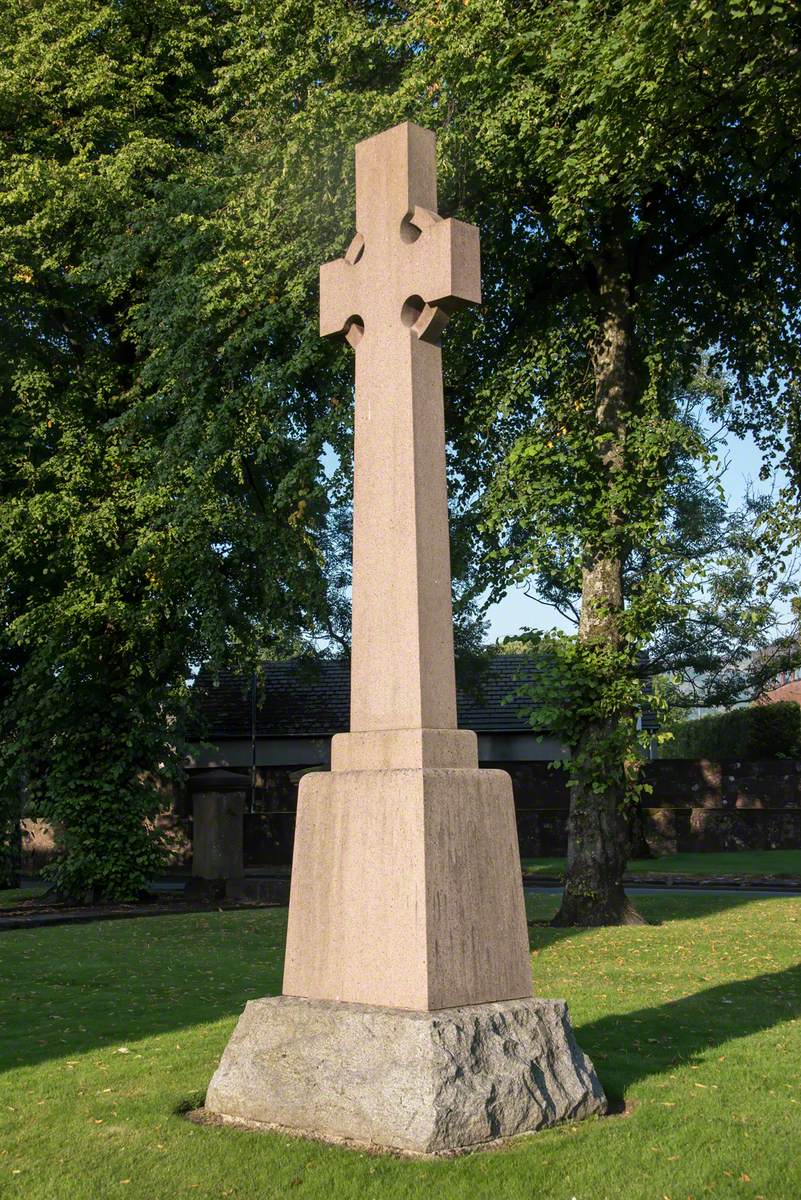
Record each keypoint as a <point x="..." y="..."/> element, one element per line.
<point x="407" y="1018"/>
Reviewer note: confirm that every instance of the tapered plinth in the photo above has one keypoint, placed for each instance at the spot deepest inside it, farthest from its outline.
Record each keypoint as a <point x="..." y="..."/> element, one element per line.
<point x="424" y="1083"/>
<point x="406" y="890"/>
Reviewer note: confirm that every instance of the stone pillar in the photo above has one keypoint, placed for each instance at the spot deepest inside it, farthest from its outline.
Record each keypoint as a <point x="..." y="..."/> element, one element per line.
<point x="217" y="842"/>
<point x="407" y="1018"/>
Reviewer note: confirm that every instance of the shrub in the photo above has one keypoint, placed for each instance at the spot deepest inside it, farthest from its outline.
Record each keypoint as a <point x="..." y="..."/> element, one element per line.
<point x="759" y="731"/>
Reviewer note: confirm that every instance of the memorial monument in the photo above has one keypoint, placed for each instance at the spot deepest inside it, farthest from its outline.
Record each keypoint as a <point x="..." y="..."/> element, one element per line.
<point x="407" y="1019"/>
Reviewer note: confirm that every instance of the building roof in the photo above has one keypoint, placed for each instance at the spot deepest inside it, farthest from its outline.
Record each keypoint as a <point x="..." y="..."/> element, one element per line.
<point x="311" y="698"/>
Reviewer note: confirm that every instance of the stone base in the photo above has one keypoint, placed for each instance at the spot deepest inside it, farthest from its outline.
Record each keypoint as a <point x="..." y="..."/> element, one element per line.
<point x="419" y="1082"/>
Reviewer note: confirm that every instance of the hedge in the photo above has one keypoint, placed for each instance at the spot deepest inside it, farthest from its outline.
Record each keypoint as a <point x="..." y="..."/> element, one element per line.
<point x="759" y="731"/>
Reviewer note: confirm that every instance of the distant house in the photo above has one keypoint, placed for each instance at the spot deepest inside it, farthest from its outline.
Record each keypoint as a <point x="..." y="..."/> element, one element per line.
<point x="260" y="741"/>
<point x="263" y="735"/>
<point x="786" y="686"/>
<point x="287" y="717"/>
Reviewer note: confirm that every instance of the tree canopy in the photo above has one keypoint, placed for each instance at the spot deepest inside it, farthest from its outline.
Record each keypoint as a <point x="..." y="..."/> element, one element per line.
<point x="160" y="461"/>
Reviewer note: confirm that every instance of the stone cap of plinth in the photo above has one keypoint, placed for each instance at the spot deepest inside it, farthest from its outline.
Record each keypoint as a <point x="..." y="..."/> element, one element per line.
<point x="392" y="749"/>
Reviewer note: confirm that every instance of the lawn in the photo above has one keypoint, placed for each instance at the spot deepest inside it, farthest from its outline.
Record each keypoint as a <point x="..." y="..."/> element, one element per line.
<point x="741" y="864"/>
<point x="109" y="1031"/>
<point x="9" y="897"/>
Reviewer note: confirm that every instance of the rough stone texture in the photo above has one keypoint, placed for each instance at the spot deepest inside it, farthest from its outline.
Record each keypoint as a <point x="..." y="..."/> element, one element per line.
<point x="426" y="1083"/>
<point x="406" y="890"/>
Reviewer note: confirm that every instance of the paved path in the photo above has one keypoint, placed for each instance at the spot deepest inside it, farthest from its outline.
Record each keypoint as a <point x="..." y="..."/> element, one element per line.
<point x="85" y="916"/>
<point x="700" y="890"/>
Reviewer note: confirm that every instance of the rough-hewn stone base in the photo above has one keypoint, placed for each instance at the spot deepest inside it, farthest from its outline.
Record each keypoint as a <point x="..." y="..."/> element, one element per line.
<point x="425" y="1082"/>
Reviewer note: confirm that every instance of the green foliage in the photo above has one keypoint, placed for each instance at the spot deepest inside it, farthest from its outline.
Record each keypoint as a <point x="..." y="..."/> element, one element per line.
<point x="635" y="173"/>
<point x="636" y="177"/>
<point x="9" y="820"/>
<point x="590" y="142"/>
<point x="756" y="731"/>
<point x="580" y="686"/>
<point x="162" y="499"/>
<point x="171" y="178"/>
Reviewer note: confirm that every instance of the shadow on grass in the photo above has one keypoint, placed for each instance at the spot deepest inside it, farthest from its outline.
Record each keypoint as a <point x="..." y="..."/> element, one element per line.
<point x="653" y="1041"/>
<point x="75" y="990"/>
<point x="72" y="990"/>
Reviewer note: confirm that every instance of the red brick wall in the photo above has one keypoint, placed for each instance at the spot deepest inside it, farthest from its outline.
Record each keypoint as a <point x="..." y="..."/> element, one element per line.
<point x="791" y="690"/>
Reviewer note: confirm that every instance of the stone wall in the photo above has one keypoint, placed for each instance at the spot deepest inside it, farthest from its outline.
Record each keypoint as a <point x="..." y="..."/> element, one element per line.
<point x="730" y="805"/>
<point x="695" y="806"/>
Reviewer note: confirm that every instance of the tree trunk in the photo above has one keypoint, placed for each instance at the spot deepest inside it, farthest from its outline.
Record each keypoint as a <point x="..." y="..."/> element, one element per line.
<point x="597" y="833"/>
<point x="596" y="859"/>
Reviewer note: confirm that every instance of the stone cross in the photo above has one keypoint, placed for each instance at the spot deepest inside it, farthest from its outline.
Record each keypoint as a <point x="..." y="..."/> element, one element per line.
<point x="406" y="1019"/>
<point x="405" y="272"/>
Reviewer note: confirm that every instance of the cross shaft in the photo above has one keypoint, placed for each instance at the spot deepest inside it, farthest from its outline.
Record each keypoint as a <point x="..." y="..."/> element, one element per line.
<point x="405" y="272"/>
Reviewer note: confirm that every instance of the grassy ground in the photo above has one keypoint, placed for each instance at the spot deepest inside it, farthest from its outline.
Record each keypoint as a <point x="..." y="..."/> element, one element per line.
<point x="9" y="897"/>
<point x="108" y="1031"/>
<point x="742" y="864"/>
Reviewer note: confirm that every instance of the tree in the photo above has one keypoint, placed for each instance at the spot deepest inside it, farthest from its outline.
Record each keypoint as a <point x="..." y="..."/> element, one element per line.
<point x="634" y="168"/>
<point x="634" y="171"/>
<point x="159" y="476"/>
<point x="172" y="181"/>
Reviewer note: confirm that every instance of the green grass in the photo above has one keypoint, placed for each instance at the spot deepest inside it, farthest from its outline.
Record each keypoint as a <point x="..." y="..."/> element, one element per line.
<point x="742" y="864"/>
<point x="107" y="1031"/>
<point x="11" y="897"/>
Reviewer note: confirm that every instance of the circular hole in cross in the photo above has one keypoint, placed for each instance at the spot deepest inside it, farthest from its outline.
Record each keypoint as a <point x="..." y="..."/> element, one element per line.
<point x="408" y="232"/>
<point x="354" y="331"/>
<point x="355" y="250"/>
<point x="412" y="309"/>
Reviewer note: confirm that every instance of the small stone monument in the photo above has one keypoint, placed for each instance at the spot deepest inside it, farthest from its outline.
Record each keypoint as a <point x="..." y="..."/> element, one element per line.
<point x="218" y="863"/>
<point x="407" y="1019"/>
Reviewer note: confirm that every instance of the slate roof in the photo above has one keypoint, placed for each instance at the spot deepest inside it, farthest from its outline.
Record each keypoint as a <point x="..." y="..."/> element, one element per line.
<point x="306" y="698"/>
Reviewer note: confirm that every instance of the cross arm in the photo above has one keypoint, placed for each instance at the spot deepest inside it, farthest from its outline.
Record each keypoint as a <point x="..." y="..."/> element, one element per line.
<point x="449" y="262"/>
<point x="340" y="294"/>
<point x="447" y="270"/>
